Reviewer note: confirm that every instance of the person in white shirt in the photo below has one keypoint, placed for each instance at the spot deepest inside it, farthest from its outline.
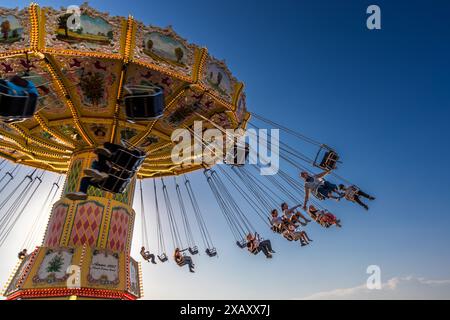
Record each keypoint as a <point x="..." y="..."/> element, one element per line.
<point x="293" y="215"/>
<point x="318" y="186"/>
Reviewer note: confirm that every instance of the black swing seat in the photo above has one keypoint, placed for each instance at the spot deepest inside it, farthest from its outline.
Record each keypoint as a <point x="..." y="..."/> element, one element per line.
<point x="193" y="250"/>
<point x="113" y="184"/>
<point x="15" y="108"/>
<point x="241" y="244"/>
<point x="326" y="158"/>
<point x="144" y="102"/>
<point x="127" y="158"/>
<point x="239" y="157"/>
<point x="162" y="257"/>
<point x="318" y="195"/>
<point x="211" y="252"/>
<point x="123" y="165"/>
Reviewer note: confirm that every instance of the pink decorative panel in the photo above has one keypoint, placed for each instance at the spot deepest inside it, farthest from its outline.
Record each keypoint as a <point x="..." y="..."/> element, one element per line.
<point x="56" y="225"/>
<point x="86" y="224"/>
<point x="118" y="229"/>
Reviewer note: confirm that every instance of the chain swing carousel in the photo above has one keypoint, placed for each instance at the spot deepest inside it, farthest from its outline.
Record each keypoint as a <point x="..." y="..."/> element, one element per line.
<point x="98" y="103"/>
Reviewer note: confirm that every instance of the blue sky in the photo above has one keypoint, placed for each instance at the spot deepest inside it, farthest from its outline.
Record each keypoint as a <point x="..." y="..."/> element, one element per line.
<point x="379" y="97"/>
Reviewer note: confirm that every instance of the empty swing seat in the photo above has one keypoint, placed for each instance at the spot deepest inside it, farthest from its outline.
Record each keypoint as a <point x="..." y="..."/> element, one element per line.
<point x="17" y="102"/>
<point x="326" y="158"/>
<point x="163" y="257"/>
<point x="211" y="252"/>
<point x="144" y="102"/>
<point x="193" y="250"/>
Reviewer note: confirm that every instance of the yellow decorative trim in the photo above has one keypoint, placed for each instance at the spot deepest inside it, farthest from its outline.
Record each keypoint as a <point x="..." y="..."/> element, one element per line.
<point x="199" y="63"/>
<point x="163" y="71"/>
<point x="141" y="281"/>
<point x="11" y="277"/>
<point x="30" y="150"/>
<point x="33" y="11"/>
<point x="13" y="54"/>
<point x="239" y="87"/>
<point x="43" y="124"/>
<point x="29" y="138"/>
<point x="104" y="226"/>
<point x="128" y="50"/>
<point x="67" y="229"/>
<point x="66" y="97"/>
<point x="68" y="52"/>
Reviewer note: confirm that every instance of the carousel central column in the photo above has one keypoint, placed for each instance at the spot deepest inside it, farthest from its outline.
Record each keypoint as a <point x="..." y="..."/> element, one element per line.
<point x="86" y="248"/>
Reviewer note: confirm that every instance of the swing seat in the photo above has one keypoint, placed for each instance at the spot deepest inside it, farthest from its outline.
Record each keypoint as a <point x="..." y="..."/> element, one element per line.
<point x="326" y="158"/>
<point x="163" y="257"/>
<point x="211" y="252"/>
<point x="127" y="159"/>
<point x="318" y="195"/>
<point x="238" y="160"/>
<point x="193" y="250"/>
<point x="241" y="244"/>
<point x="113" y="184"/>
<point x="16" y="107"/>
<point x="289" y="238"/>
<point x="144" y="102"/>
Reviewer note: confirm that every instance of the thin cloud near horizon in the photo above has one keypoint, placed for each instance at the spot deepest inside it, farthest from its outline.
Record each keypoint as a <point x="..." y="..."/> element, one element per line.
<point x="409" y="288"/>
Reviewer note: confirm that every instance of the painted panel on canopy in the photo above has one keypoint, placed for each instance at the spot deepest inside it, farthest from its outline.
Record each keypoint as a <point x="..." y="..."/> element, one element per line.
<point x="218" y="77"/>
<point x="94" y="31"/>
<point x="94" y="81"/>
<point x="183" y="112"/>
<point x="149" y="141"/>
<point x="128" y="132"/>
<point x="14" y="31"/>
<point x="222" y="120"/>
<point x="164" y="48"/>
<point x="138" y="75"/>
<point x="44" y="135"/>
<point x="69" y="130"/>
<point x="100" y="132"/>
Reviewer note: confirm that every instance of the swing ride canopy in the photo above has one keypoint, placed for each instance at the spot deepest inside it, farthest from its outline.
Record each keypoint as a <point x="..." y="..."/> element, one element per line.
<point x="81" y="74"/>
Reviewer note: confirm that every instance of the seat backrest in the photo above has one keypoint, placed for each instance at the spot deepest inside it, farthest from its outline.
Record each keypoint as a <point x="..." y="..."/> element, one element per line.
<point x="17" y="106"/>
<point x="212" y="252"/>
<point x="124" y="159"/>
<point x="113" y="184"/>
<point x="193" y="250"/>
<point x="163" y="257"/>
<point x="144" y="105"/>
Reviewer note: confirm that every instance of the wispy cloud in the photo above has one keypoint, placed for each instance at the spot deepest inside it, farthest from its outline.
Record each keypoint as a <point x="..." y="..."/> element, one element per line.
<point x="395" y="288"/>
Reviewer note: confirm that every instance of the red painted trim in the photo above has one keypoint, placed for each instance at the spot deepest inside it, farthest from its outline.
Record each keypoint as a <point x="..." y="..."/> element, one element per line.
<point x="63" y="292"/>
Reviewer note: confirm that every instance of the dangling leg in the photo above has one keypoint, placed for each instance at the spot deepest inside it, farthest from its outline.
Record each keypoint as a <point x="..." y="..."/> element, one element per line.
<point x="365" y="195"/>
<point x="98" y="169"/>
<point x="362" y="204"/>
<point x="306" y="236"/>
<point x="299" y="214"/>
<point x="188" y="261"/>
<point x="303" y="242"/>
<point x="268" y="244"/>
<point x="265" y="250"/>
